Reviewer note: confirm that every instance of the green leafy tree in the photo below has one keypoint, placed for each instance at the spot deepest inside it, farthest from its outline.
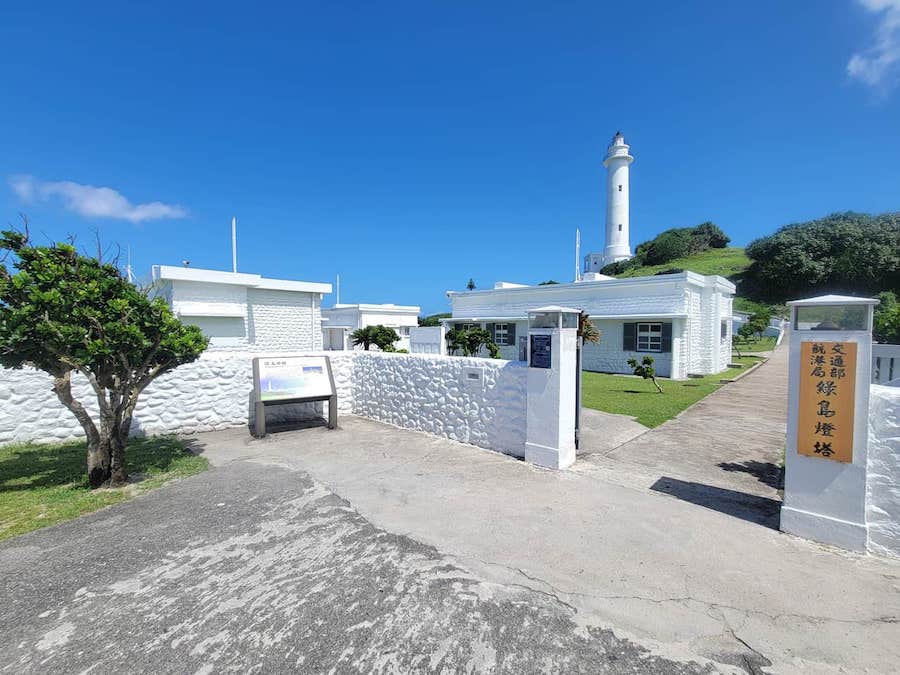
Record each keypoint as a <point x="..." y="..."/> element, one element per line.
<point x="746" y="331"/>
<point x="433" y="319"/>
<point x="887" y="319"/>
<point x="549" y="282"/>
<point x="471" y="285"/>
<point x="850" y="253"/>
<point x="66" y="313"/>
<point x="708" y="235"/>
<point x="382" y="337"/>
<point x="759" y="321"/>
<point x="470" y="342"/>
<point x="646" y="370"/>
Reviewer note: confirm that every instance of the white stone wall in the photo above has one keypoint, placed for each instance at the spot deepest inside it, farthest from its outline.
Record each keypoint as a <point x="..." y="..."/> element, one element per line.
<point x="284" y="320"/>
<point x="725" y="309"/>
<point x="433" y="394"/>
<point x="420" y="392"/>
<point x="883" y="471"/>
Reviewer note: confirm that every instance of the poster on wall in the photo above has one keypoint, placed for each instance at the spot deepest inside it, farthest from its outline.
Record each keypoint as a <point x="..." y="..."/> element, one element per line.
<point x="827" y="400"/>
<point x="292" y="377"/>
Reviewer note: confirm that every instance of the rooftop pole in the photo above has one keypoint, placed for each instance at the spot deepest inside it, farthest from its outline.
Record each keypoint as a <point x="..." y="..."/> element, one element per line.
<point x="234" y="244"/>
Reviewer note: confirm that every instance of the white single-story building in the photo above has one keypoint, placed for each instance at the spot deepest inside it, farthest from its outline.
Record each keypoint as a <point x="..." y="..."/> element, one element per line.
<point x="245" y="311"/>
<point x="341" y="320"/>
<point x="683" y="320"/>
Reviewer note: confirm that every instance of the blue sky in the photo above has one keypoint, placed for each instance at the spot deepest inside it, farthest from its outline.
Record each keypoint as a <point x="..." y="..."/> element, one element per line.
<point x="409" y="146"/>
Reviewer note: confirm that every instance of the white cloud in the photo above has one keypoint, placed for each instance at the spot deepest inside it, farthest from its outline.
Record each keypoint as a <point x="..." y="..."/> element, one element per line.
<point x="878" y="65"/>
<point x="93" y="202"/>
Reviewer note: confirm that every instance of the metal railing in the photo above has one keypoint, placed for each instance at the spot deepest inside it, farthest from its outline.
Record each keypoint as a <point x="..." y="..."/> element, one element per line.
<point x="885" y="364"/>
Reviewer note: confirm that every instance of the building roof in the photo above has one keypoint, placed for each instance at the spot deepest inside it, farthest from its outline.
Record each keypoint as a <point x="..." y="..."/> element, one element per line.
<point x="834" y="300"/>
<point x="685" y="277"/>
<point x="524" y="317"/>
<point x="173" y="273"/>
<point x="387" y="308"/>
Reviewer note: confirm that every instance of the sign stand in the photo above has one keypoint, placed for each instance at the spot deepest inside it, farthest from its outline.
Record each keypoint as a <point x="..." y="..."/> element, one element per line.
<point x="292" y="379"/>
<point x="828" y="409"/>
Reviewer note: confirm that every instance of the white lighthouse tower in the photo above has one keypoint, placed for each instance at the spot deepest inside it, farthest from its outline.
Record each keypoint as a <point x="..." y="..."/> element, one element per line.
<point x="618" y="246"/>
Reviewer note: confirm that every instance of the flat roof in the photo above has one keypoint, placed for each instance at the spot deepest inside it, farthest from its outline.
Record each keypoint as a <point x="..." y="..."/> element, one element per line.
<point x="173" y="273"/>
<point x="645" y="315"/>
<point x="386" y="307"/>
<point x="834" y="300"/>
<point x="686" y="276"/>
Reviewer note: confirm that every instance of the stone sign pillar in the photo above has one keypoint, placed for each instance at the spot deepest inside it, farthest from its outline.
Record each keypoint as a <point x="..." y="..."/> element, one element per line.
<point x="827" y="429"/>
<point x="552" y="347"/>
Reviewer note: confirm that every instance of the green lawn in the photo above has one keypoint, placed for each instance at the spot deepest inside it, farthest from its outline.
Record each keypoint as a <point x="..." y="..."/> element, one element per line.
<point x="638" y="398"/>
<point x="763" y="344"/>
<point x="41" y="485"/>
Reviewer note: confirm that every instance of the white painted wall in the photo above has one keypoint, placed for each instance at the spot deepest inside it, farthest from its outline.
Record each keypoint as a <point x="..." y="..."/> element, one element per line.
<point x="608" y="356"/>
<point x="883" y="479"/>
<point x="428" y="340"/>
<point x="420" y="392"/>
<point x="284" y="320"/>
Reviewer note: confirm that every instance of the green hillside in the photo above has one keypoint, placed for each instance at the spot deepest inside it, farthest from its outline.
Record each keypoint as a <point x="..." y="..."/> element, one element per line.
<point x="726" y="262"/>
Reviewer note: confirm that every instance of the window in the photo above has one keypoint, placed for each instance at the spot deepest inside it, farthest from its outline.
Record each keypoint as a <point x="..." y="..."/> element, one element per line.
<point x="620" y="188"/>
<point x="470" y="326"/>
<point x="649" y="337"/>
<point x="501" y="334"/>
<point x="620" y="227"/>
<point x="724" y="332"/>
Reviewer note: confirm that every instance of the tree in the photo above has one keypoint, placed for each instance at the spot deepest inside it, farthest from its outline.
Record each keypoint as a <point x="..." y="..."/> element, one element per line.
<point x="471" y="285"/>
<point x="587" y="331"/>
<point x="363" y="336"/>
<point x="736" y="344"/>
<point x="433" y="319"/>
<point x="645" y="369"/>
<point x="382" y="337"/>
<point x="549" y="282"/>
<point x="759" y="321"/>
<point x="67" y="313"/>
<point x="849" y="253"/>
<point x="708" y="235"/>
<point x="470" y="342"/>
<point x="746" y="331"/>
<point x="887" y="319"/>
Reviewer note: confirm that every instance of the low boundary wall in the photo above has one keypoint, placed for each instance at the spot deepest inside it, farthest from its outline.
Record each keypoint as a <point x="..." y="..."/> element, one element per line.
<point x="477" y="401"/>
<point x="883" y="471"/>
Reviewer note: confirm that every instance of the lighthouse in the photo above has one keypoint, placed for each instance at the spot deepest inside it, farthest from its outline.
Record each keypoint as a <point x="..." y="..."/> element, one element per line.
<point x="618" y="246"/>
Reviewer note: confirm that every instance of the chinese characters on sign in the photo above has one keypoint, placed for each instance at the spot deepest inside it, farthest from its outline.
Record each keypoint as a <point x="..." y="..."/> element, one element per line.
<point x="827" y="395"/>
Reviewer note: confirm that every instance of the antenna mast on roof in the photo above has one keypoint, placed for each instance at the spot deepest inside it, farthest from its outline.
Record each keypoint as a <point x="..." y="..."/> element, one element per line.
<point x="577" y="254"/>
<point x="128" y="271"/>
<point x="234" y="244"/>
<point x="338" y="299"/>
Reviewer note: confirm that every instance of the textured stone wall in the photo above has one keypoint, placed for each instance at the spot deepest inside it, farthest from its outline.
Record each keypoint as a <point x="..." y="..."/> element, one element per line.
<point x="420" y="392"/>
<point x="434" y="394"/>
<point x="883" y="471"/>
<point x="284" y="320"/>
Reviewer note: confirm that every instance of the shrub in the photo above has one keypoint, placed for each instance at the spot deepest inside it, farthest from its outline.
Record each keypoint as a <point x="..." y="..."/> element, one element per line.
<point x="646" y="370"/>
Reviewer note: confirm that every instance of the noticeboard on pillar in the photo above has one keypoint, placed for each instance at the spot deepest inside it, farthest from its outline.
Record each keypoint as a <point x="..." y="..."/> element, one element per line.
<point x="541" y="351"/>
<point x="827" y="399"/>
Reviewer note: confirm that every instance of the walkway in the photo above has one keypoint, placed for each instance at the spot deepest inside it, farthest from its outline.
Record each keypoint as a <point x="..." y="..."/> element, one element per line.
<point x="375" y="549"/>
<point x="725" y="452"/>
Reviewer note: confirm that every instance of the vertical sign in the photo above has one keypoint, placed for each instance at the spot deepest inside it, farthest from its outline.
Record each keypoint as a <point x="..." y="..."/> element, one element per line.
<point x="827" y="400"/>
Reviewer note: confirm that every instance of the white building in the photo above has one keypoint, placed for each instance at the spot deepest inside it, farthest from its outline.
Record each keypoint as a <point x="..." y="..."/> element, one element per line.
<point x="618" y="246"/>
<point x="341" y="320"/>
<point x="682" y="320"/>
<point x="245" y="311"/>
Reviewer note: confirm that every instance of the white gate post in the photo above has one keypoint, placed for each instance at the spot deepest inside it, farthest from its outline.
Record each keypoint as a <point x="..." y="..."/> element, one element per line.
<point x="552" y="348"/>
<point x="827" y="429"/>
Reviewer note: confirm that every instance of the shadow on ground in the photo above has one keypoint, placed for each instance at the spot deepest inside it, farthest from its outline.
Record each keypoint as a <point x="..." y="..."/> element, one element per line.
<point x="766" y="473"/>
<point x="752" y="508"/>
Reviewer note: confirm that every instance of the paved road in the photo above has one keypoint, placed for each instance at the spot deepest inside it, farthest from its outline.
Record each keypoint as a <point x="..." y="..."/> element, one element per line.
<point x="373" y="549"/>
<point x="724" y="452"/>
<point x="254" y="567"/>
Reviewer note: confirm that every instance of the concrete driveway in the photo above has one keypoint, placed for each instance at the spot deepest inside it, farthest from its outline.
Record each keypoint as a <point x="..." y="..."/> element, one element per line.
<point x="372" y="549"/>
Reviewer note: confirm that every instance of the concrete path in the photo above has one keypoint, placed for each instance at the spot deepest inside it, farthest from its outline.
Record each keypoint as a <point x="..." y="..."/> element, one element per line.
<point x="373" y="549"/>
<point x="602" y="432"/>
<point x="724" y="452"/>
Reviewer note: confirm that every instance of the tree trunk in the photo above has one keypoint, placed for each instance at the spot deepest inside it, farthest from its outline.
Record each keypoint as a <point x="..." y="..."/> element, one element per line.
<point x="658" y="388"/>
<point x="98" y="456"/>
<point x="98" y="463"/>
<point x="118" y="474"/>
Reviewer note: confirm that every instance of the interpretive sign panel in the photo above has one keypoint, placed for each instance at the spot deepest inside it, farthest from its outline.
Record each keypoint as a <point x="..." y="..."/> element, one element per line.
<point x="827" y="400"/>
<point x="541" y="351"/>
<point x="292" y="379"/>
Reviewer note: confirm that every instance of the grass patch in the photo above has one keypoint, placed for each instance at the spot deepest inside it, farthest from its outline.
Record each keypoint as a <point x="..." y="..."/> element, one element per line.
<point x="638" y="398"/>
<point x="726" y="262"/>
<point x="42" y="485"/>
<point x="763" y="344"/>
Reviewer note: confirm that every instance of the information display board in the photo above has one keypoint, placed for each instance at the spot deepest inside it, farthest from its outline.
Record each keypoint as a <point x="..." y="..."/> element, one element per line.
<point x="541" y="351"/>
<point x="827" y="399"/>
<point x="292" y="379"/>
